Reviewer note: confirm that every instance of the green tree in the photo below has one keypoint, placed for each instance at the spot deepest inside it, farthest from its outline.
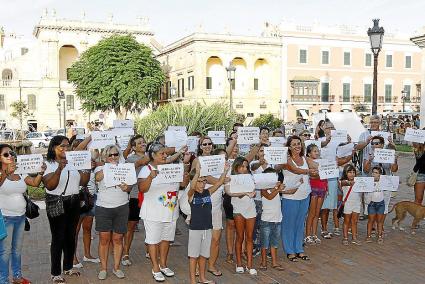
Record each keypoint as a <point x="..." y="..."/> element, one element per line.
<point x="19" y="111"/>
<point x="117" y="74"/>
<point x="267" y="120"/>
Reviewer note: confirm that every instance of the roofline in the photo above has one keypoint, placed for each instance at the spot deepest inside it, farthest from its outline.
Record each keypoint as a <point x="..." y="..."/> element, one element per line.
<point x="419" y="41"/>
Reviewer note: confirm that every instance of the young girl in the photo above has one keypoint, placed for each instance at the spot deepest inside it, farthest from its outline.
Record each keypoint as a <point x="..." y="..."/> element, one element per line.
<point x="352" y="204"/>
<point x="376" y="207"/>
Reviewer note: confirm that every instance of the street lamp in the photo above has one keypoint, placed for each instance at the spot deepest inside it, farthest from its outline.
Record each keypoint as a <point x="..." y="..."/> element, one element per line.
<point x="280" y="109"/>
<point x="61" y="96"/>
<point x="231" y="76"/>
<point x="376" y="34"/>
<point x="403" y="99"/>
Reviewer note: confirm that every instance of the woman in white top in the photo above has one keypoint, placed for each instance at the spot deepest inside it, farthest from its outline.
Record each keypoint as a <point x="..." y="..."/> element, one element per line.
<point x="13" y="205"/>
<point x="158" y="211"/>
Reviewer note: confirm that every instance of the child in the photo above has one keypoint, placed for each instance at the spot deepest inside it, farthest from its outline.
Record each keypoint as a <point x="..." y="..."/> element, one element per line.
<point x="376" y="207"/>
<point x="201" y="222"/>
<point x="352" y="205"/>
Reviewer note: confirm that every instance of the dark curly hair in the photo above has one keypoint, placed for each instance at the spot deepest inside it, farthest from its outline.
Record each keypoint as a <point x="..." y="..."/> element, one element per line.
<point x="56" y="141"/>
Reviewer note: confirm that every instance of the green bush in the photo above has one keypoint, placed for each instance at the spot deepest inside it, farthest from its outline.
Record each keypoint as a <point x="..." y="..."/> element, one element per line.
<point x="36" y="193"/>
<point x="196" y="117"/>
<point x="267" y="120"/>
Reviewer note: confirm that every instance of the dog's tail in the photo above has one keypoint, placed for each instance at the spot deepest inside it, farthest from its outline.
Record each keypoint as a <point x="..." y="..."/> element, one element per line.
<point x="394" y="206"/>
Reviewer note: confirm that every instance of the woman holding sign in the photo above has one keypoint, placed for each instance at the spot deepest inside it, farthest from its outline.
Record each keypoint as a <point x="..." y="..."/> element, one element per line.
<point x="12" y="206"/>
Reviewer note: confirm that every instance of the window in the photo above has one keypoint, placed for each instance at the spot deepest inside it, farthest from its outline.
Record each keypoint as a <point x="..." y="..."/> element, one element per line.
<point x="70" y="102"/>
<point x="408" y="61"/>
<point x="388" y="93"/>
<point x="190" y="83"/>
<point x="2" y="104"/>
<point x="389" y="61"/>
<point x="180" y="87"/>
<point x="325" y="57"/>
<point x="367" y="93"/>
<point x="407" y="89"/>
<point x="347" y="58"/>
<point x="346" y="92"/>
<point x="255" y="84"/>
<point x="303" y="56"/>
<point x="209" y="83"/>
<point x="31" y="102"/>
<point x="325" y="92"/>
<point x="368" y="59"/>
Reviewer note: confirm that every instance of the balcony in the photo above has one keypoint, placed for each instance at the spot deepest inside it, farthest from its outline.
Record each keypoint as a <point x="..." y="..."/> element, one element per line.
<point x="328" y="99"/>
<point x="343" y="99"/>
<point x="306" y="98"/>
<point x="381" y="100"/>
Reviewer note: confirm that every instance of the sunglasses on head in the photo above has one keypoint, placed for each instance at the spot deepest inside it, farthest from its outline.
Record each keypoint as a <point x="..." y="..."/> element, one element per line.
<point x="206" y="144"/>
<point x="113" y="155"/>
<point x="7" y="154"/>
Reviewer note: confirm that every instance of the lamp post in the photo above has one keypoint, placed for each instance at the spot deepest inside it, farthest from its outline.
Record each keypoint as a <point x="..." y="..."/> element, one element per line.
<point x="403" y="99"/>
<point x="376" y="34"/>
<point x="61" y="96"/>
<point x="231" y="76"/>
<point x="280" y="109"/>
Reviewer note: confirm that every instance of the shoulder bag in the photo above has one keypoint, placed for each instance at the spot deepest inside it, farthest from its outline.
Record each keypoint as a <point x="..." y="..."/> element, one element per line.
<point x="341" y="207"/>
<point x="31" y="210"/>
<point x="86" y="200"/>
<point x="54" y="203"/>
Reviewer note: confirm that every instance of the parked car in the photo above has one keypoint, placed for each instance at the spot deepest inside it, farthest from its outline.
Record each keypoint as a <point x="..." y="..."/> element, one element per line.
<point x="39" y="139"/>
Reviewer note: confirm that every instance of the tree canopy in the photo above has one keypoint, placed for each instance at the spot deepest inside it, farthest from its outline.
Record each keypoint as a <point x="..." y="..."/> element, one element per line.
<point x="267" y="120"/>
<point x="117" y="74"/>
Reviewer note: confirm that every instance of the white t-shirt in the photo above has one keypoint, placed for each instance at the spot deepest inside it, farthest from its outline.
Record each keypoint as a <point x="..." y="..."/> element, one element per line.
<point x="73" y="182"/>
<point x="160" y="201"/>
<point x="110" y="197"/>
<point x="271" y="209"/>
<point x="353" y="198"/>
<point x="376" y="196"/>
<point x="260" y="170"/>
<point x="12" y="201"/>
<point x="133" y="158"/>
<point x="291" y="179"/>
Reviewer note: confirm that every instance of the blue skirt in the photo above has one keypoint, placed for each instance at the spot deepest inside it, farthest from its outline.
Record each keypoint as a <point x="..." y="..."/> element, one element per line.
<point x="331" y="199"/>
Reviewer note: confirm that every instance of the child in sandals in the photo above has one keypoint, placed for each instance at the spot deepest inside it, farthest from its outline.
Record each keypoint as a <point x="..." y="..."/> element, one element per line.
<point x="376" y="207"/>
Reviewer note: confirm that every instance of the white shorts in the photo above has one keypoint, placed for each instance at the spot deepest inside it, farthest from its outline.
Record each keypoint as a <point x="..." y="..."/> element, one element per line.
<point x="352" y="207"/>
<point x="217" y="219"/>
<point x="199" y="243"/>
<point x="156" y="231"/>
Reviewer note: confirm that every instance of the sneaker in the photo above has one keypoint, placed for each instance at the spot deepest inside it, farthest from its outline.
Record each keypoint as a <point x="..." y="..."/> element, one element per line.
<point x="239" y="269"/>
<point x="356" y="242"/>
<point x="252" y="271"/>
<point x="380" y="240"/>
<point x="337" y="232"/>
<point x="326" y="235"/>
<point x="269" y="255"/>
<point x="125" y="260"/>
<point x="166" y="271"/>
<point x="158" y="276"/>
<point x="93" y="260"/>
<point x="102" y="275"/>
<point x="78" y="265"/>
<point x="309" y="240"/>
<point x="316" y="240"/>
<point x="118" y="273"/>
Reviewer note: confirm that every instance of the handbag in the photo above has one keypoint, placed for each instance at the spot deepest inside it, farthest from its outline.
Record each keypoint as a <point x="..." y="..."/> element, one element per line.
<point x="3" y="231"/>
<point x="411" y="179"/>
<point x="54" y="203"/>
<point x="31" y="210"/>
<point x="341" y="207"/>
<point x="86" y="200"/>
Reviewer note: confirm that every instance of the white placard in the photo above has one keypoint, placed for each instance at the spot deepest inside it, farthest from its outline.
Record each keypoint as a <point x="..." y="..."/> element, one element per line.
<point x="120" y="173"/>
<point x="349" y="121"/>
<point x="78" y="160"/>
<point x="101" y="139"/>
<point x="177" y="128"/>
<point x="122" y="131"/>
<point x="276" y="155"/>
<point x="389" y="183"/>
<point x="29" y="164"/>
<point x="383" y="134"/>
<point x="315" y="142"/>
<point x="80" y="137"/>
<point x="176" y="139"/>
<point x="241" y="183"/>
<point x="345" y="150"/>
<point x="123" y="141"/>
<point x="211" y="165"/>
<point x="328" y="153"/>
<point x="415" y="135"/>
<point x="328" y="169"/>
<point x="170" y="173"/>
<point x="248" y="135"/>
<point x="217" y="137"/>
<point x="384" y="156"/>
<point x="265" y="181"/>
<point x="126" y="123"/>
<point x="277" y="141"/>
<point x="363" y="184"/>
<point x="192" y="144"/>
<point x="339" y="136"/>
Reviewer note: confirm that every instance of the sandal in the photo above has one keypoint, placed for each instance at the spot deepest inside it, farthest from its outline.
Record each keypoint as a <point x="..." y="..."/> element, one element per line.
<point x="368" y="239"/>
<point x="356" y="242"/>
<point x="345" y="242"/>
<point x="58" y="279"/>
<point x="215" y="272"/>
<point x="303" y="257"/>
<point x="380" y="240"/>
<point x="229" y="258"/>
<point x="263" y="267"/>
<point x="278" y="267"/>
<point x="206" y="282"/>
<point x="72" y="272"/>
<point x="125" y="260"/>
<point x="292" y="257"/>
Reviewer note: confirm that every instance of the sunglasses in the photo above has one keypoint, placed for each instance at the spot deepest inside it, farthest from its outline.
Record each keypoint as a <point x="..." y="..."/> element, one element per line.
<point x="113" y="155"/>
<point x="7" y="154"/>
<point x="206" y="144"/>
<point x="375" y="143"/>
<point x="306" y="135"/>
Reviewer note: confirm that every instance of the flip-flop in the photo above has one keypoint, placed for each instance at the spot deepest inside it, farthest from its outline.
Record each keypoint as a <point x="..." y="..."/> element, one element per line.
<point x="278" y="267"/>
<point x="303" y="257"/>
<point x="293" y="258"/>
<point x="215" y="272"/>
<point x="263" y="268"/>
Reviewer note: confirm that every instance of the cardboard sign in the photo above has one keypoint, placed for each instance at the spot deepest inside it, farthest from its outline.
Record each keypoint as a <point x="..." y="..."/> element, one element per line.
<point x="389" y="183"/>
<point x="78" y="160"/>
<point x="345" y="150"/>
<point x="192" y="144"/>
<point x="384" y="156"/>
<point x="339" y="136"/>
<point x="211" y="165"/>
<point x="363" y="184"/>
<point x="241" y="183"/>
<point x="29" y="164"/>
<point x="120" y="173"/>
<point x="176" y="139"/>
<point x="127" y="123"/>
<point x="277" y="141"/>
<point x="265" y="181"/>
<point x="248" y="135"/>
<point x="101" y="139"/>
<point x="177" y="128"/>
<point x="415" y="135"/>
<point x="217" y="137"/>
<point x="383" y="134"/>
<point x="276" y="155"/>
<point x="328" y="153"/>
<point x="170" y="173"/>
<point x="314" y="142"/>
<point x="328" y="169"/>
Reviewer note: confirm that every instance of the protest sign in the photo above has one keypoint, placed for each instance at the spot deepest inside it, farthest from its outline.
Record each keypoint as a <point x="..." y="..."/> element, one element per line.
<point x="277" y="141"/>
<point x="383" y="134"/>
<point x="78" y="160"/>
<point x="29" y="164"/>
<point x="363" y="184"/>
<point x="248" y="135"/>
<point x="101" y="139"/>
<point x="389" y="183"/>
<point x="315" y="142"/>
<point x="123" y="141"/>
<point x="339" y="136"/>
<point x="328" y="153"/>
<point x="176" y="128"/>
<point x="119" y="132"/>
<point x="241" y="183"/>
<point x="170" y="173"/>
<point x="211" y="165"/>
<point x="126" y="123"/>
<point x="217" y="137"/>
<point x="345" y="150"/>
<point x="244" y="149"/>
<point x="276" y="155"/>
<point x="192" y="144"/>
<point x="265" y="181"/>
<point x="120" y="173"/>
<point x="415" y="135"/>
<point x="328" y="169"/>
<point x="384" y="156"/>
<point x="348" y="121"/>
<point x="176" y="139"/>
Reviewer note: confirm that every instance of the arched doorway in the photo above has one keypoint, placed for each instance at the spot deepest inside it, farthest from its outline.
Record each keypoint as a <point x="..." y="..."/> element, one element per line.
<point x="215" y="81"/>
<point x="68" y="54"/>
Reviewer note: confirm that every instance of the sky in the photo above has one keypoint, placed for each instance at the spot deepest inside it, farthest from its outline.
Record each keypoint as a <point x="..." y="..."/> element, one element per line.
<point x="171" y="20"/>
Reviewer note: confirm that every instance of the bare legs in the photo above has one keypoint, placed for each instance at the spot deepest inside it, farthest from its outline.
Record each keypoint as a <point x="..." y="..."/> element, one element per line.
<point x="419" y="192"/>
<point x="214" y="251"/>
<point x="163" y="246"/>
<point x="128" y="238"/>
<point x="244" y="229"/>
<point x="230" y="237"/>
<point x="313" y="215"/>
<point x="117" y="243"/>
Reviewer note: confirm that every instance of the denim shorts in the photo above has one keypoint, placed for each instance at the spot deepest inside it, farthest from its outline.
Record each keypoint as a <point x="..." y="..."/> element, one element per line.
<point x="420" y="178"/>
<point x="376" y="207"/>
<point x="269" y="234"/>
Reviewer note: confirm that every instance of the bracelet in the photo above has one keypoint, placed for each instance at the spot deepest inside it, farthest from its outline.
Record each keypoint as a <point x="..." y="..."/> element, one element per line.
<point x="85" y="171"/>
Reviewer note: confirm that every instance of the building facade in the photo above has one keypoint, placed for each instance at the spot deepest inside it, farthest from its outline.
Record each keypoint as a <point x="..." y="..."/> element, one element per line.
<point x="419" y="40"/>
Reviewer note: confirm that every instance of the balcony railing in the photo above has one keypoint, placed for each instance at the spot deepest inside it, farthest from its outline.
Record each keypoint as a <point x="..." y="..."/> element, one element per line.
<point x="343" y="99"/>
<point x="381" y="100"/>
<point x="305" y="98"/>
<point x="328" y="99"/>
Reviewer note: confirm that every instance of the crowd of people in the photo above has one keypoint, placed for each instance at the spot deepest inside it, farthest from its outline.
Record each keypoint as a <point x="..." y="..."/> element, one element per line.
<point x="255" y="223"/>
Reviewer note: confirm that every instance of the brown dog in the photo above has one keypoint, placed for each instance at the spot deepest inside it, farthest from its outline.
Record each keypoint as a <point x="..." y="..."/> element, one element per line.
<point x="402" y="207"/>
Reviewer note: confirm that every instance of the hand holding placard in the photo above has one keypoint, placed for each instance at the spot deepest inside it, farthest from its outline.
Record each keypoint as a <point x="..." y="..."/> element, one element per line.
<point x="363" y="184"/>
<point x="211" y="165"/>
<point x="415" y="135"/>
<point x="119" y="173"/>
<point x="248" y="135"/>
<point x="101" y="139"/>
<point x="78" y="160"/>
<point x="384" y="156"/>
<point x="328" y="169"/>
<point x="170" y="173"/>
<point x="29" y="164"/>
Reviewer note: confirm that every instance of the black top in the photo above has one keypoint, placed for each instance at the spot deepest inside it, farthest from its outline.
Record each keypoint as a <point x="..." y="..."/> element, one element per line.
<point x="200" y="208"/>
<point x="321" y="133"/>
<point x="420" y="164"/>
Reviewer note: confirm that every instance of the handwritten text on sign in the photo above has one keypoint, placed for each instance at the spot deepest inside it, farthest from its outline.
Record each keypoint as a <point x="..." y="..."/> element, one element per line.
<point x="177" y="128"/>
<point x="192" y="144"/>
<point x="328" y="169"/>
<point x="120" y="173"/>
<point x="363" y="184"/>
<point x="415" y="135"/>
<point x="127" y="123"/>
<point x="248" y="135"/>
<point x="345" y="150"/>
<point x="339" y="135"/>
<point x="212" y="165"/>
<point x="265" y="181"/>
<point x="101" y="139"/>
<point x="241" y="183"/>
<point x="171" y="173"/>
<point x="29" y="164"/>
<point x="384" y="156"/>
<point x="389" y="183"/>
<point x="217" y="137"/>
<point x="277" y="141"/>
<point x="276" y="155"/>
<point x="78" y="160"/>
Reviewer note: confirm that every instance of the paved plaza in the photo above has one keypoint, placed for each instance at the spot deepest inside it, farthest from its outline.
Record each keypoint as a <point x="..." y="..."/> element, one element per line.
<point x="399" y="260"/>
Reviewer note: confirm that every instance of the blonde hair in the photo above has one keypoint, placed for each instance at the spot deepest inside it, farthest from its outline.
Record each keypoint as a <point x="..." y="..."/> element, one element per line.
<point x="107" y="150"/>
